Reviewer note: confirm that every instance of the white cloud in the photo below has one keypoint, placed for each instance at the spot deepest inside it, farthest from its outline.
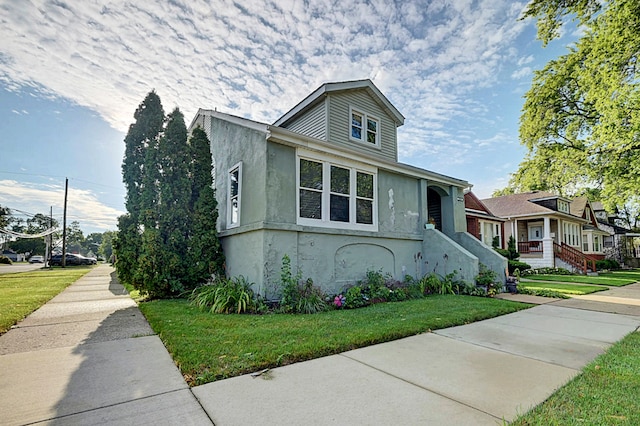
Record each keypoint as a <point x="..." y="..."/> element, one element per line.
<point x="521" y="73"/>
<point x="82" y="205"/>
<point x="259" y="59"/>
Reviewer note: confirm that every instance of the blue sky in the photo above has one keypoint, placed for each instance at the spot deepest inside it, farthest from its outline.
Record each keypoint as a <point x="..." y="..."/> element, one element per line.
<point x="72" y="74"/>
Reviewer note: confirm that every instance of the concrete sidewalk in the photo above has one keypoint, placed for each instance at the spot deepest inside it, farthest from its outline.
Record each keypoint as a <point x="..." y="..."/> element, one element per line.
<point x="89" y="357"/>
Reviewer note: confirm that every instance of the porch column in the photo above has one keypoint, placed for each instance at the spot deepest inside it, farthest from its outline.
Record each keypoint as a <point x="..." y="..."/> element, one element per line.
<point x="547" y="244"/>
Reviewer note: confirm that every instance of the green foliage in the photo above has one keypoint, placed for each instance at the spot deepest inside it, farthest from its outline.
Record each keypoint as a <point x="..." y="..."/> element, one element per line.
<point x="311" y="299"/>
<point x="542" y="292"/>
<point x="225" y="296"/>
<point x="465" y="288"/>
<point x="5" y="260"/>
<point x="206" y="257"/>
<point x="514" y="265"/>
<point x="581" y="115"/>
<point x="355" y="298"/>
<point x="432" y="284"/>
<point x="487" y="278"/>
<point x="546" y="271"/>
<point x="607" y="264"/>
<point x="289" y="285"/>
<point x="167" y="242"/>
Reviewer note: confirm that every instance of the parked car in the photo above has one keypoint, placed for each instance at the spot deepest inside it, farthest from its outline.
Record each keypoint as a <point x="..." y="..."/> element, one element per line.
<point x="36" y="259"/>
<point x="71" y="259"/>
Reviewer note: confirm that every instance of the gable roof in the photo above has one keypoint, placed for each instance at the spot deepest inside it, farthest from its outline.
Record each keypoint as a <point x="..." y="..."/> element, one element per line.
<point x="327" y="88"/>
<point x="578" y="205"/>
<point x="518" y="204"/>
<point x="475" y="207"/>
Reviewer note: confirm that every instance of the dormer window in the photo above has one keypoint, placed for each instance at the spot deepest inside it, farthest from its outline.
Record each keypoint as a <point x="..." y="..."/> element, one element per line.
<point x="364" y="128"/>
<point x="563" y="206"/>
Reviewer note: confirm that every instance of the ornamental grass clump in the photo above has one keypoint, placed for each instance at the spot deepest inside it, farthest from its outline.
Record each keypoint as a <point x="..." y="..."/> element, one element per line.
<point x="225" y="296"/>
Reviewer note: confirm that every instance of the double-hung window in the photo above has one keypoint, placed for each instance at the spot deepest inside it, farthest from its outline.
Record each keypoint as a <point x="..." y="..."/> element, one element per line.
<point x="333" y="193"/>
<point x="233" y="196"/>
<point x="364" y="128"/>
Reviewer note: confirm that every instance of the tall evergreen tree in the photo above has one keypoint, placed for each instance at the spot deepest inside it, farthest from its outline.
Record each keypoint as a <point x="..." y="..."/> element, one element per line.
<point x="205" y="255"/>
<point x="142" y="134"/>
<point x="165" y="246"/>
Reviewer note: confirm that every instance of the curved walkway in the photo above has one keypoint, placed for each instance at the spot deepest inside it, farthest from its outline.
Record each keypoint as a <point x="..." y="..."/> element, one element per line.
<point x="89" y="357"/>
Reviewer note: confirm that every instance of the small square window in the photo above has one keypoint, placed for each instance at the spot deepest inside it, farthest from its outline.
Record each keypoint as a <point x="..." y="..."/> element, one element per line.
<point x="364" y="128"/>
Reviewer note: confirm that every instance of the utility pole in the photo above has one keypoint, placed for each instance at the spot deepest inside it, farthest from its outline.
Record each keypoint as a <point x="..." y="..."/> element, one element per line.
<point x="64" y="224"/>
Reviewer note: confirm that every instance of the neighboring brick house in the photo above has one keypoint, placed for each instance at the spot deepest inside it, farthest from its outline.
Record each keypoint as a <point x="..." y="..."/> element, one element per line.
<point x="483" y="224"/>
<point x="323" y="185"/>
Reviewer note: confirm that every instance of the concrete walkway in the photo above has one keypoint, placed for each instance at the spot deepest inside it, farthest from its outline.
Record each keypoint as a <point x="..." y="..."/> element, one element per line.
<point x="89" y="357"/>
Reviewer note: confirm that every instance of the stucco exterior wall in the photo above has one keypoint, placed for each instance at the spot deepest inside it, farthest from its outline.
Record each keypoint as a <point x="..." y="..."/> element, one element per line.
<point x="230" y="145"/>
<point x="485" y="254"/>
<point x="399" y="202"/>
<point x="442" y="255"/>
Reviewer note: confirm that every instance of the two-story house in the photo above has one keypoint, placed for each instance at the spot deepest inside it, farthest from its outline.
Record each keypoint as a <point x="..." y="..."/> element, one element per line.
<point x="323" y="185"/>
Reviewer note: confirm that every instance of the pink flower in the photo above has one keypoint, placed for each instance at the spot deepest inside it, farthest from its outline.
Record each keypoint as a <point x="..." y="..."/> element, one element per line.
<point x="339" y="300"/>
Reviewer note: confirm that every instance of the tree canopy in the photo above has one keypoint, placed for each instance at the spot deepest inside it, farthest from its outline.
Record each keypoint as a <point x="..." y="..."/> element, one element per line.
<point x="581" y="117"/>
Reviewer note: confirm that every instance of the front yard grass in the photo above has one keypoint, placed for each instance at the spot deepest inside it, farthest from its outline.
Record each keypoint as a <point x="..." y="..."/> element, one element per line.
<point x="209" y="347"/>
<point x="567" y="288"/>
<point x="609" y="279"/>
<point x="606" y="393"/>
<point x="24" y="292"/>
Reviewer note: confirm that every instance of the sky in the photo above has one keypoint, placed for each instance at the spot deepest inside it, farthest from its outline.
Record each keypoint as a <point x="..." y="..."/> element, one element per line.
<point x="72" y="74"/>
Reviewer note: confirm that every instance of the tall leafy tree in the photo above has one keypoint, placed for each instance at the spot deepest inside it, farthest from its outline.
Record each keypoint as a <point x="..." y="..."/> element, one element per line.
<point x="206" y="257"/>
<point x="581" y="117"/>
<point x="142" y="136"/>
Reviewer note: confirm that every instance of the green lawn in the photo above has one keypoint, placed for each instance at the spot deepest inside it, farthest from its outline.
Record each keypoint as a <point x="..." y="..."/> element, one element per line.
<point x="24" y="292"/>
<point x="610" y="279"/>
<point x="567" y="288"/>
<point x="630" y="275"/>
<point x="210" y="347"/>
<point x="606" y="393"/>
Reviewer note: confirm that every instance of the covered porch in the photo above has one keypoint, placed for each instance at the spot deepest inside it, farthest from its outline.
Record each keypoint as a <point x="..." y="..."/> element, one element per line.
<point x="548" y="241"/>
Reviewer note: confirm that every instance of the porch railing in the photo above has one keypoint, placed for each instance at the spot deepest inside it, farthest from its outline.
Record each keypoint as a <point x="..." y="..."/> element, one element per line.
<point x="575" y="257"/>
<point x="525" y="247"/>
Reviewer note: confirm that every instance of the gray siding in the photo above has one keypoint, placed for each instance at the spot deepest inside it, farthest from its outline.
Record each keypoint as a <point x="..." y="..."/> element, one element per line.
<point x="313" y="123"/>
<point x="340" y="123"/>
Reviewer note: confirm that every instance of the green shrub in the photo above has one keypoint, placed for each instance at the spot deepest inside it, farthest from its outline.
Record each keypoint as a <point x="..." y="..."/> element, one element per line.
<point x="5" y="260"/>
<point x="290" y="286"/>
<point x="487" y="278"/>
<point x="545" y="271"/>
<point x="225" y="296"/>
<point x="310" y="299"/>
<point x="354" y="298"/>
<point x="468" y="289"/>
<point x="541" y="292"/>
<point x="607" y="264"/>
<point x="432" y="284"/>
<point x="514" y="264"/>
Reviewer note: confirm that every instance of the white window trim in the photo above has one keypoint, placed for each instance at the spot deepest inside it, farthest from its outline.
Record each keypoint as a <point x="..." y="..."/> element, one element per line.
<point x="363" y="140"/>
<point x="327" y="162"/>
<point x="230" y="223"/>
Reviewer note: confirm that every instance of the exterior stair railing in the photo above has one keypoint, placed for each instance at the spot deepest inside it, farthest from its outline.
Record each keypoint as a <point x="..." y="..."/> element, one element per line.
<point x="575" y="257"/>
